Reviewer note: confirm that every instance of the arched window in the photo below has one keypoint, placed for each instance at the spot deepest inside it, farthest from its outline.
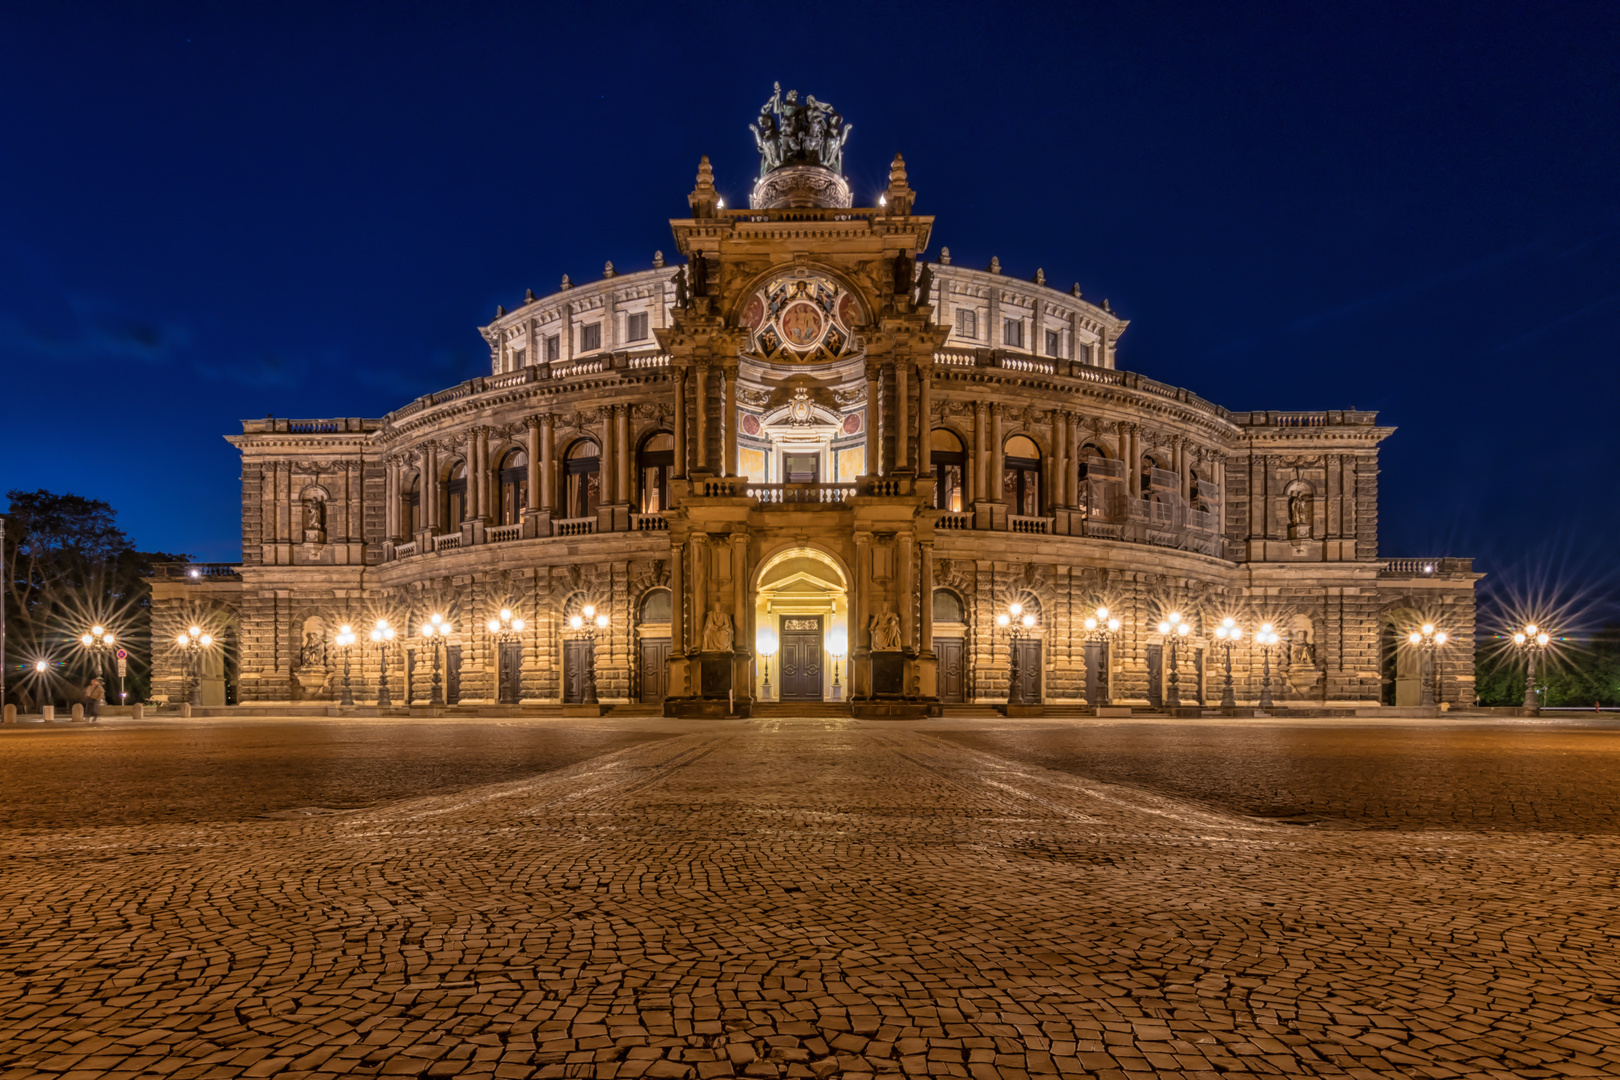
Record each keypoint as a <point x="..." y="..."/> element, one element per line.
<point x="455" y="496"/>
<point x="655" y="606"/>
<point x="514" y="476"/>
<point x="654" y="461"/>
<point x="410" y="506"/>
<point x="948" y="607"/>
<point x="1149" y="464"/>
<point x="583" y="474"/>
<point x="950" y="463"/>
<point x="1021" y="476"/>
<point x="1032" y="605"/>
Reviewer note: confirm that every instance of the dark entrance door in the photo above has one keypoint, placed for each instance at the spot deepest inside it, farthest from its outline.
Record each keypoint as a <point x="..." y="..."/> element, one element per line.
<point x="410" y="676"/>
<point x="511" y="672"/>
<point x="1094" y="673"/>
<point x="452" y="674"/>
<point x="952" y="670"/>
<point x="1029" y="669"/>
<point x="654" y="669"/>
<point x="576" y="654"/>
<point x="1155" y="665"/>
<point x="801" y="658"/>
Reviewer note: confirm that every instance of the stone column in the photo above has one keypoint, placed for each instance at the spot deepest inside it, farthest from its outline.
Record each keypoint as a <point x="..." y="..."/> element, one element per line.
<point x="925" y="414"/>
<point x="532" y="503"/>
<point x="902" y="423"/>
<point x="1127" y="453"/>
<point x="996" y="454"/>
<point x="680" y="422"/>
<point x="432" y="493"/>
<point x="605" y="464"/>
<point x="861" y="603"/>
<point x="1074" y="454"/>
<point x="906" y="592"/>
<point x="625" y="488"/>
<point x="728" y="419"/>
<point x="701" y="406"/>
<point x="742" y="620"/>
<point x="390" y="500"/>
<point x="677" y="592"/>
<point x="700" y="587"/>
<point x="1102" y="347"/>
<point x="548" y="463"/>
<point x="485" y="502"/>
<point x="874" y="439"/>
<point x="925" y="596"/>
<point x="981" y="452"/>
<point x="1057" y="486"/>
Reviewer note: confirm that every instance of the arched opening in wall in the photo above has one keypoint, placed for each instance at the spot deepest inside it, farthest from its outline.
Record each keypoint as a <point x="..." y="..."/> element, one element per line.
<point x="1028" y="654"/>
<point x="950" y="467"/>
<point x="455" y="496"/>
<point x="582" y="476"/>
<point x="410" y="506"/>
<point x="514" y="478"/>
<point x="1101" y="481"/>
<point x="1400" y="665"/>
<point x="1021" y="476"/>
<point x="654" y="461"/>
<point x="653" y="635"/>
<point x="950" y="640"/>
<point x="801" y="607"/>
<point x="578" y="647"/>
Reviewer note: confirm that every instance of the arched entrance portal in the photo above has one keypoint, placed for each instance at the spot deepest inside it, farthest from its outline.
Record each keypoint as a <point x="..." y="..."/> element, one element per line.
<point x="801" y="609"/>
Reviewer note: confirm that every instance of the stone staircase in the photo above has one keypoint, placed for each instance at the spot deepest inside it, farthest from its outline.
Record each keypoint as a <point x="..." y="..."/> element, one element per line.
<point x="769" y="709"/>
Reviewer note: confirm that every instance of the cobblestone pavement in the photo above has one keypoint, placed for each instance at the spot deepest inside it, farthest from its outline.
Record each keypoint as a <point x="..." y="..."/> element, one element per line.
<point x="805" y="898"/>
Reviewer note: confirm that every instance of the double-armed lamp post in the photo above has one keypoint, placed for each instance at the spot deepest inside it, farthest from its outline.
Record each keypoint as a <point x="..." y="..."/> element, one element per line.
<point x="382" y="636"/>
<point x="1266" y="637"/>
<point x="1227" y="636"/>
<point x="1426" y="640"/>
<point x="434" y="632"/>
<point x="1101" y="627"/>
<point x="1174" y="628"/>
<point x="1532" y="640"/>
<point x="192" y="642"/>
<point x="1015" y="622"/>
<point x="587" y="623"/>
<point x="99" y="641"/>
<point x="345" y="640"/>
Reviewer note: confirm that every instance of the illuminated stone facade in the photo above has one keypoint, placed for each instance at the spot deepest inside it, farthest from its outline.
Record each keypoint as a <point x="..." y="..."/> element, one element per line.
<point x="803" y="451"/>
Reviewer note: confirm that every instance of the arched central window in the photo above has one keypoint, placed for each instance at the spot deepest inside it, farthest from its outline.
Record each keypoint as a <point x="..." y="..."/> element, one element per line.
<point x="455" y="496"/>
<point x="654" y="461"/>
<point x="514" y="475"/>
<point x="410" y="506"/>
<point x="583" y="474"/>
<point x="1021" y="476"/>
<point x="950" y="463"/>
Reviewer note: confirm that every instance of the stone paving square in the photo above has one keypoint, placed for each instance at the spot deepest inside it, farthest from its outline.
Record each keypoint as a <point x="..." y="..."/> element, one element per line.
<point x="800" y="898"/>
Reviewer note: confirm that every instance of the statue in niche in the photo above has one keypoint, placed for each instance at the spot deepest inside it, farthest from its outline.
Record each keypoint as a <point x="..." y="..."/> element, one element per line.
<point x="1299" y="509"/>
<point x="314" y="521"/>
<point x="1302" y="643"/>
<point x="313" y="653"/>
<point x="717" y="631"/>
<point x="925" y="281"/>
<point x="680" y="288"/>
<point x="886" y="631"/>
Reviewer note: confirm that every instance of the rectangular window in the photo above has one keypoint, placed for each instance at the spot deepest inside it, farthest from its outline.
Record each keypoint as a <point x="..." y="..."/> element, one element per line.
<point x="1054" y="343"/>
<point x="1012" y="333"/>
<point x="636" y="327"/>
<point x="518" y="359"/>
<point x="553" y="347"/>
<point x="1082" y="353"/>
<point x="967" y="323"/>
<point x="590" y="337"/>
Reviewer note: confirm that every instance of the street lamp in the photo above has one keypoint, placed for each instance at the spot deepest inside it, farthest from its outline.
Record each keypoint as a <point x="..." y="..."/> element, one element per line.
<point x="382" y="636"/>
<point x="837" y="646"/>
<point x="99" y="640"/>
<point x="588" y="623"/>
<point x="1015" y="622"/>
<point x="1101" y="627"/>
<point x="1532" y="640"/>
<point x="1226" y="638"/>
<point x="1426" y="640"/>
<point x="1265" y="637"/>
<point x="765" y="642"/>
<point x="506" y="627"/>
<point x="192" y="642"/>
<point x="344" y="641"/>
<point x="1174" y="627"/>
<point x="435" y="630"/>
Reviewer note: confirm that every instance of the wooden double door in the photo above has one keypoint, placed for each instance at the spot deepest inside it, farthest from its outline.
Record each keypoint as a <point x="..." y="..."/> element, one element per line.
<point x="952" y="669"/>
<point x="801" y="658"/>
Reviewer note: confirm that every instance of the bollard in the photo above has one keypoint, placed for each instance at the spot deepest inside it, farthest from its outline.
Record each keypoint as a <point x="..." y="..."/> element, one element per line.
<point x="185" y="710"/>
<point x="11" y="714"/>
<point x="138" y="711"/>
<point x="78" y="714"/>
<point x="49" y="712"/>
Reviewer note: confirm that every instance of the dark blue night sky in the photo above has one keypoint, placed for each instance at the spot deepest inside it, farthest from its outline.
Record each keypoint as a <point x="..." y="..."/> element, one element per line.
<point x="221" y="211"/>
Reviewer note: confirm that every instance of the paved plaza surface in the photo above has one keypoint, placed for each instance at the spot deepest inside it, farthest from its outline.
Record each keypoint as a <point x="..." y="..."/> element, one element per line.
<point x="809" y="897"/>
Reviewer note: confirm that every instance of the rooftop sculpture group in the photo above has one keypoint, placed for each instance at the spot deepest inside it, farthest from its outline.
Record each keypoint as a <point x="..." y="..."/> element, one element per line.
<point x="791" y="132"/>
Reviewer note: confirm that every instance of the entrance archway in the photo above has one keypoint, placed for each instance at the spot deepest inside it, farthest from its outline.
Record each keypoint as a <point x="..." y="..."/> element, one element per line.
<point x="801" y="609"/>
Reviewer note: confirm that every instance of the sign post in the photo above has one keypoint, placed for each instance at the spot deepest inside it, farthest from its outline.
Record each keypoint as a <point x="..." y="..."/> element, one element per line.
<point x="123" y="669"/>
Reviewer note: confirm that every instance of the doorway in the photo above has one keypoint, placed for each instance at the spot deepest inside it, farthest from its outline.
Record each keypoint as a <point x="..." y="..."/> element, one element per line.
<point x="952" y="670"/>
<point x="654" y="669"/>
<point x="801" y="658"/>
<point x="576" y="657"/>
<point x="511" y="672"/>
<point x="452" y="674"/>
<point x="1029" y="668"/>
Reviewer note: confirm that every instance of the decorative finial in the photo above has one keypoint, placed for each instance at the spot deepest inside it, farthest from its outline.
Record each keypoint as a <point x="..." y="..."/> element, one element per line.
<point x="607" y="270"/>
<point x="704" y="200"/>
<point x="1075" y="292"/>
<point x="899" y="197"/>
<point x="1040" y="276"/>
<point x="1106" y="307"/>
<point x="995" y="265"/>
<point x="658" y="260"/>
<point x="528" y="296"/>
<point x="944" y="256"/>
<point x="500" y="309"/>
<point x="566" y="283"/>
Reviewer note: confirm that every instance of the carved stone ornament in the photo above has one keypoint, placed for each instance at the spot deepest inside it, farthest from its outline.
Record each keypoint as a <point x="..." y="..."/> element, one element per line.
<point x="796" y="134"/>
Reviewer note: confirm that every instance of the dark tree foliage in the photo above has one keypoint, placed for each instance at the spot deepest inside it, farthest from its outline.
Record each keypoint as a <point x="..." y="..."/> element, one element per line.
<point x="69" y="567"/>
<point x="1573" y="673"/>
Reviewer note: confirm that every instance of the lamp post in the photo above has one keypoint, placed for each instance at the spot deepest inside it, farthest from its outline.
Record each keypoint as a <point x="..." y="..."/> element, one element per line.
<point x="99" y="641"/>
<point x="1532" y="640"/>
<point x="1265" y="637"/>
<point x="1101" y="627"/>
<point x="382" y="636"/>
<point x="192" y="642"/>
<point x="588" y="622"/>
<point x="1014" y="622"/>
<point x="1426" y="640"/>
<point x="837" y="646"/>
<point x="434" y="631"/>
<point x="1174" y="628"/>
<point x="1226" y="638"/>
<point x="505" y="627"/>
<point x="765" y="642"/>
<point x="345" y="640"/>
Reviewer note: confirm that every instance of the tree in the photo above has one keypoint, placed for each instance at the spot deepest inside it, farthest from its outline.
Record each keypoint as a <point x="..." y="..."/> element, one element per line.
<point x="68" y="567"/>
